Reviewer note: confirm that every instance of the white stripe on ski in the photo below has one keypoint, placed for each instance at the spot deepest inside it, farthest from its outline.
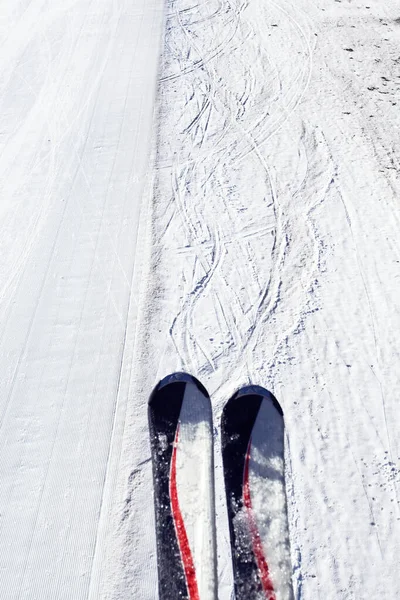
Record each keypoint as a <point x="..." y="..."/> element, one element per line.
<point x="195" y="487"/>
<point x="268" y="496"/>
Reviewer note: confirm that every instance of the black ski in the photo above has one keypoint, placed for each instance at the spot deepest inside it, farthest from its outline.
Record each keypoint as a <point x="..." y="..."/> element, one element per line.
<point x="253" y="463"/>
<point x="180" y="423"/>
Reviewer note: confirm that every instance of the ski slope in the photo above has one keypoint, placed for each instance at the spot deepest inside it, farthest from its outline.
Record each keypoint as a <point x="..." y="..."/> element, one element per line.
<point x="246" y="231"/>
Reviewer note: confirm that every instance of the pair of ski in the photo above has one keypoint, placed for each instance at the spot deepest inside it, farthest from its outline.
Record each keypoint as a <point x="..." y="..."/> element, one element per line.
<point x="252" y="436"/>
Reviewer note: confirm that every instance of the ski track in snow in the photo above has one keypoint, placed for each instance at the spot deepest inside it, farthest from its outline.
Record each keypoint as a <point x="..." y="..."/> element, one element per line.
<point x="273" y="259"/>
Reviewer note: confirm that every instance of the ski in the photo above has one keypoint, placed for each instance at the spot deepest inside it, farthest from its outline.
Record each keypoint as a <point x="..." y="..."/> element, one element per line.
<point x="252" y="433"/>
<point x="181" y="440"/>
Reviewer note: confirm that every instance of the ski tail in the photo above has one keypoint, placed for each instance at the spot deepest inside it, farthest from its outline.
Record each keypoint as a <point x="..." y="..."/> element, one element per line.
<point x="253" y="463"/>
<point x="181" y="438"/>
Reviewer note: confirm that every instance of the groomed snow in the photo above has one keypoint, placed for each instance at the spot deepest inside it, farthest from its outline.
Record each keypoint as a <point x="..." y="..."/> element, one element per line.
<point x="261" y="247"/>
<point x="77" y="81"/>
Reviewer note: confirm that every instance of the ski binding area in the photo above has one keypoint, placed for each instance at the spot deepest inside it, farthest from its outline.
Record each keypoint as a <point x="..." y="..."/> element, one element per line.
<point x="181" y="435"/>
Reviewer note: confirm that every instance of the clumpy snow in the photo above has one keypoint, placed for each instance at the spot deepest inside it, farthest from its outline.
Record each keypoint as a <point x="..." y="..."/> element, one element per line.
<point x="258" y="243"/>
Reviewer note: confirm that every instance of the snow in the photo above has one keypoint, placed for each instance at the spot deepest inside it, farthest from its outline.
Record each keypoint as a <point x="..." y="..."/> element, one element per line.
<point x="246" y="231"/>
<point x="77" y="80"/>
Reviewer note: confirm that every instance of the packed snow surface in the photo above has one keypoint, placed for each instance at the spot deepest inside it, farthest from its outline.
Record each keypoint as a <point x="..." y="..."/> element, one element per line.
<point x="77" y="80"/>
<point x="246" y="231"/>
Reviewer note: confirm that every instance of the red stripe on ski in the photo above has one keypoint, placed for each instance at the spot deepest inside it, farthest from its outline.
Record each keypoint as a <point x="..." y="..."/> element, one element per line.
<point x="262" y="564"/>
<point x="183" y="542"/>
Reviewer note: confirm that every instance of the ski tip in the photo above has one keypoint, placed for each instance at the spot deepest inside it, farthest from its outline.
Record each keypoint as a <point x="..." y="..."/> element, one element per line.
<point x="180" y="377"/>
<point x="257" y="390"/>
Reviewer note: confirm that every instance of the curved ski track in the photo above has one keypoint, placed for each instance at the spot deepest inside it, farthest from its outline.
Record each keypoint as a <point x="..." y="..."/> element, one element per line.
<point x="222" y="132"/>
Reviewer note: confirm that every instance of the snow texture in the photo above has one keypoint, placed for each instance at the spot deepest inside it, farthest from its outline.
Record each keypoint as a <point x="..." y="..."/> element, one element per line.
<point x="77" y="81"/>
